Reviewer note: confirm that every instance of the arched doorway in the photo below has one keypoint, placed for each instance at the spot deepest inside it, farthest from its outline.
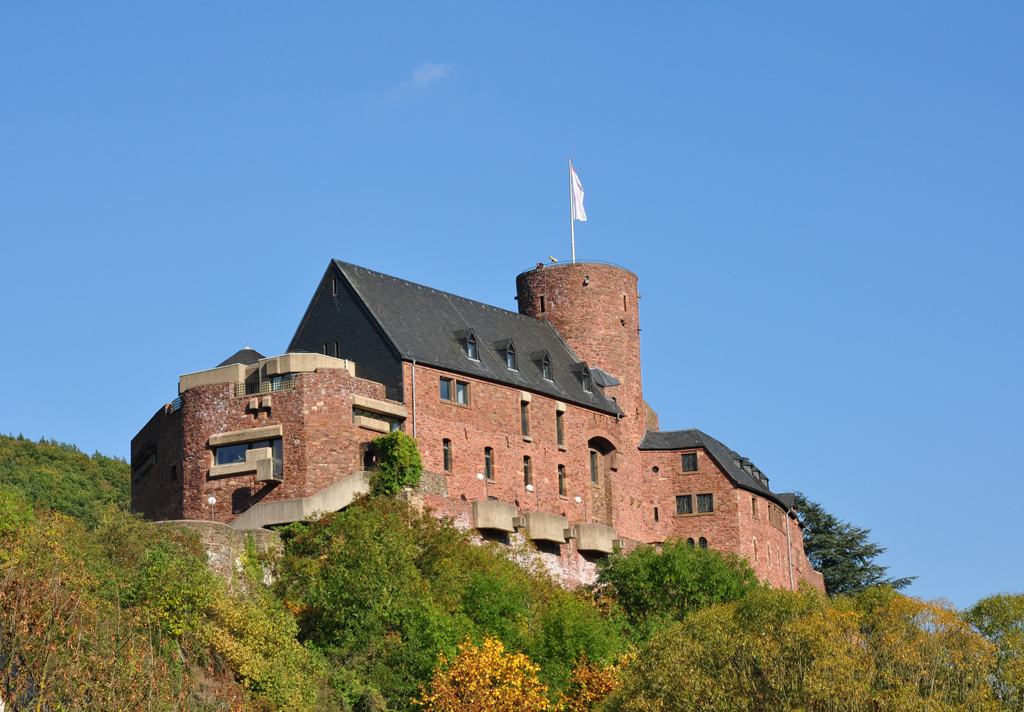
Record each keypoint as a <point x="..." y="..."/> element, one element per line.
<point x="602" y="460"/>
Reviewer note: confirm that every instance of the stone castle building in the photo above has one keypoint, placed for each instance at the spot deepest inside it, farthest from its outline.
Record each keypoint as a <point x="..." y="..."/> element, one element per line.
<point x="532" y="423"/>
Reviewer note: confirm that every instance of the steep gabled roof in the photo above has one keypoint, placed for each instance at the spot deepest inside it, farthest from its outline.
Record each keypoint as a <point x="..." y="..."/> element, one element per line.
<point x="246" y="357"/>
<point x="727" y="460"/>
<point x="431" y="327"/>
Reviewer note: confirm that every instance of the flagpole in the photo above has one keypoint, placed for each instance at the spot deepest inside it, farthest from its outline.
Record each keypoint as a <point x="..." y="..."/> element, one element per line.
<point x="572" y="215"/>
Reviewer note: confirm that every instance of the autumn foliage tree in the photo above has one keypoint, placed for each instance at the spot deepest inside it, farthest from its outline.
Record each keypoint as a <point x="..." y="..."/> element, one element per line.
<point x="485" y="679"/>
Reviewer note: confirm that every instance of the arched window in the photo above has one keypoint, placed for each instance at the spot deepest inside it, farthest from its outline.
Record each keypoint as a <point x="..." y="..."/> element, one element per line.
<point x="446" y="450"/>
<point x="702" y="543"/>
<point x="561" y="480"/>
<point x="689" y="543"/>
<point x="527" y="476"/>
<point x="489" y="463"/>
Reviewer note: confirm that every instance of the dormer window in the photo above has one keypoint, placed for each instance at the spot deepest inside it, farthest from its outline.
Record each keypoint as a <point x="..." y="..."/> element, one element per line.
<point x="471" y="347"/>
<point x="587" y="384"/>
<point x="510" y="357"/>
<point x="545" y="368"/>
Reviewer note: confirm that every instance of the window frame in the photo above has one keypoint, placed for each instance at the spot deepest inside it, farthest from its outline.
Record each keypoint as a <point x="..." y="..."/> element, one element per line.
<point x="563" y="485"/>
<point x="489" y="464"/>
<point x="684" y="502"/>
<point x="472" y="349"/>
<point x="511" y="362"/>
<point x="702" y="543"/>
<point x="560" y="427"/>
<point x="446" y="455"/>
<point x="524" y="417"/>
<point x="683" y="462"/>
<point x="706" y="503"/>
<point x="450" y="383"/>
<point x="545" y="368"/>
<point x="462" y="393"/>
<point x="527" y="471"/>
<point x="588" y="381"/>
<point x="595" y="467"/>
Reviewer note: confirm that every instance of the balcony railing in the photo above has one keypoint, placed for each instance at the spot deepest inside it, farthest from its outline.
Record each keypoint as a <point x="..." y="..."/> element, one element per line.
<point x="256" y="386"/>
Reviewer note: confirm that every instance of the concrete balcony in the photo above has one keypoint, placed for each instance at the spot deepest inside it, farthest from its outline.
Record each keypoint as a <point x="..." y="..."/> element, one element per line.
<point x="541" y="526"/>
<point x="489" y="514"/>
<point x="259" y="460"/>
<point x="595" y="537"/>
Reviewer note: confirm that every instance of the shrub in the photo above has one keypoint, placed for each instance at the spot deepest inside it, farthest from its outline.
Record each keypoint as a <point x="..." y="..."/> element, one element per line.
<point x="655" y="588"/>
<point x="398" y="463"/>
<point x="485" y="679"/>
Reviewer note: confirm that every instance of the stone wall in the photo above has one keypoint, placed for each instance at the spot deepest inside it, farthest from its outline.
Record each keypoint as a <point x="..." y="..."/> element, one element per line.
<point x="225" y="545"/>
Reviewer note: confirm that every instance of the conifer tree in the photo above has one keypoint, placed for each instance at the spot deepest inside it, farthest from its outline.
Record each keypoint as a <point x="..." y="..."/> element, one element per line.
<point x="842" y="552"/>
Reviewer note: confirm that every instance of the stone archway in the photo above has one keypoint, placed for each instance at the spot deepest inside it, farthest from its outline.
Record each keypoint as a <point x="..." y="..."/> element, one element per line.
<point x="602" y="461"/>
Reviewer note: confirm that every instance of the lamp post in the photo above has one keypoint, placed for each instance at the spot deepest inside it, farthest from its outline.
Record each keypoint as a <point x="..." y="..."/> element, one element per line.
<point x="212" y="501"/>
<point x="531" y="488"/>
<point x="487" y="485"/>
<point x="578" y="500"/>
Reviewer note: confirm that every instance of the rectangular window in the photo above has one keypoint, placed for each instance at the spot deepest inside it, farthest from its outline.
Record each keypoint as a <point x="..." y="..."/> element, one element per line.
<point x="446" y="450"/>
<point x="334" y="286"/>
<point x="559" y="427"/>
<point x="524" y="416"/>
<point x="705" y="503"/>
<point x="543" y="305"/>
<point x="593" y="467"/>
<point x="684" y="504"/>
<point x="545" y="369"/>
<point x="462" y="393"/>
<point x="174" y="472"/>
<point x="489" y="463"/>
<point x="446" y="389"/>
<point x="655" y="514"/>
<point x="527" y="476"/>
<point x="561" y="480"/>
<point x="231" y="454"/>
<point x="753" y="506"/>
<point x="690" y="462"/>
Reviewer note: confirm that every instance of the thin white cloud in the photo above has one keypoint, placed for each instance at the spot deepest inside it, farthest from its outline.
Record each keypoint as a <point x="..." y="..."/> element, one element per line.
<point x="423" y="76"/>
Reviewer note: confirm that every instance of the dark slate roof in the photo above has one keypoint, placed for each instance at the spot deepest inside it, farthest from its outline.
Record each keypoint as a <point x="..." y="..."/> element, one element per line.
<point x="603" y="378"/>
<point x="246" y="357"/>
<point x="431" y="327"/>
<point x="741" y="470"/>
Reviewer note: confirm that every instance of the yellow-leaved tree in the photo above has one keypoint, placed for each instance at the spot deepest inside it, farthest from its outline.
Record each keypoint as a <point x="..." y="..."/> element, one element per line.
<point x="484" y="679"/>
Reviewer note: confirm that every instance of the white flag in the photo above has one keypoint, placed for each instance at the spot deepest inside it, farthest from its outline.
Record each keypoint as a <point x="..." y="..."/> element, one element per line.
<point x="578" y="213"/>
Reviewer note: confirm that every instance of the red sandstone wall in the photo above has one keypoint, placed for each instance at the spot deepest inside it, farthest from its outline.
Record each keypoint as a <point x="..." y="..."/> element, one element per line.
<point x="595" y="308"/>
<point x="492" y="419"/>
<point x="320" y="445"/>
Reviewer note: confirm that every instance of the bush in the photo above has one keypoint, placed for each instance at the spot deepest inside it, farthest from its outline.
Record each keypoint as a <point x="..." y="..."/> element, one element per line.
<point x="655" y="588"/>
<point x="398" y="463"/>
<point x="780" y="650"/>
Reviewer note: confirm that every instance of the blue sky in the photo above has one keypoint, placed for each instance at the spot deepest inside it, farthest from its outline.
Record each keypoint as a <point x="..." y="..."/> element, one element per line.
<point x="823" y="203"/>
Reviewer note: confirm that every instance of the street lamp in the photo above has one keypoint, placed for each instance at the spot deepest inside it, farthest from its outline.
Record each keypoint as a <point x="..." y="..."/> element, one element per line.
<point x="212" y="501"/>
<point x="578" y="500"/>
<point x="487" y="485"/>
<point x="531" y="488"/>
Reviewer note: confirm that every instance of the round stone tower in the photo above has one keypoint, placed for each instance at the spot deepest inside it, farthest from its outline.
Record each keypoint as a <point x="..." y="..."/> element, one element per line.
<point x="595" y="309"/>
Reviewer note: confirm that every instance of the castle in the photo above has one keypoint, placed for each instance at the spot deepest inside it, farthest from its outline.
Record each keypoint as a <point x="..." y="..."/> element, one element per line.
<point x="531" y="423"/>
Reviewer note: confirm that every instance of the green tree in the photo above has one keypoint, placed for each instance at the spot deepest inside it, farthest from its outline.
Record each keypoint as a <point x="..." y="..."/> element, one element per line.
<point x="398" y="463"/>
<point x="1000" y="619"/>
<point x="61" y="477"/>
<point x="655" y="587"/>
<point x="777" y="650"/>
<point x="842" y="552"/>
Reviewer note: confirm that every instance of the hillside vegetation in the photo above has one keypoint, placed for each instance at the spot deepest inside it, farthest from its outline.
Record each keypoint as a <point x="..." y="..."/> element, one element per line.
<point x="61" y="477"/>
<point x="381" y="607"/>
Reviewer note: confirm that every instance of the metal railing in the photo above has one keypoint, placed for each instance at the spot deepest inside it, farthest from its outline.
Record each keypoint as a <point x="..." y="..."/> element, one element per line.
<point x="256" y="386"/>
<point x="278" y="467"/>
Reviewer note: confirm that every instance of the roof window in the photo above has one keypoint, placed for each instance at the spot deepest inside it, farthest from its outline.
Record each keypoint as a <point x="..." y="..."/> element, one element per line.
<point x="471" y="351"/>
<point x="510" y="357"/>
<point x="587" y="383"/>
<point x="545" y="368"/>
